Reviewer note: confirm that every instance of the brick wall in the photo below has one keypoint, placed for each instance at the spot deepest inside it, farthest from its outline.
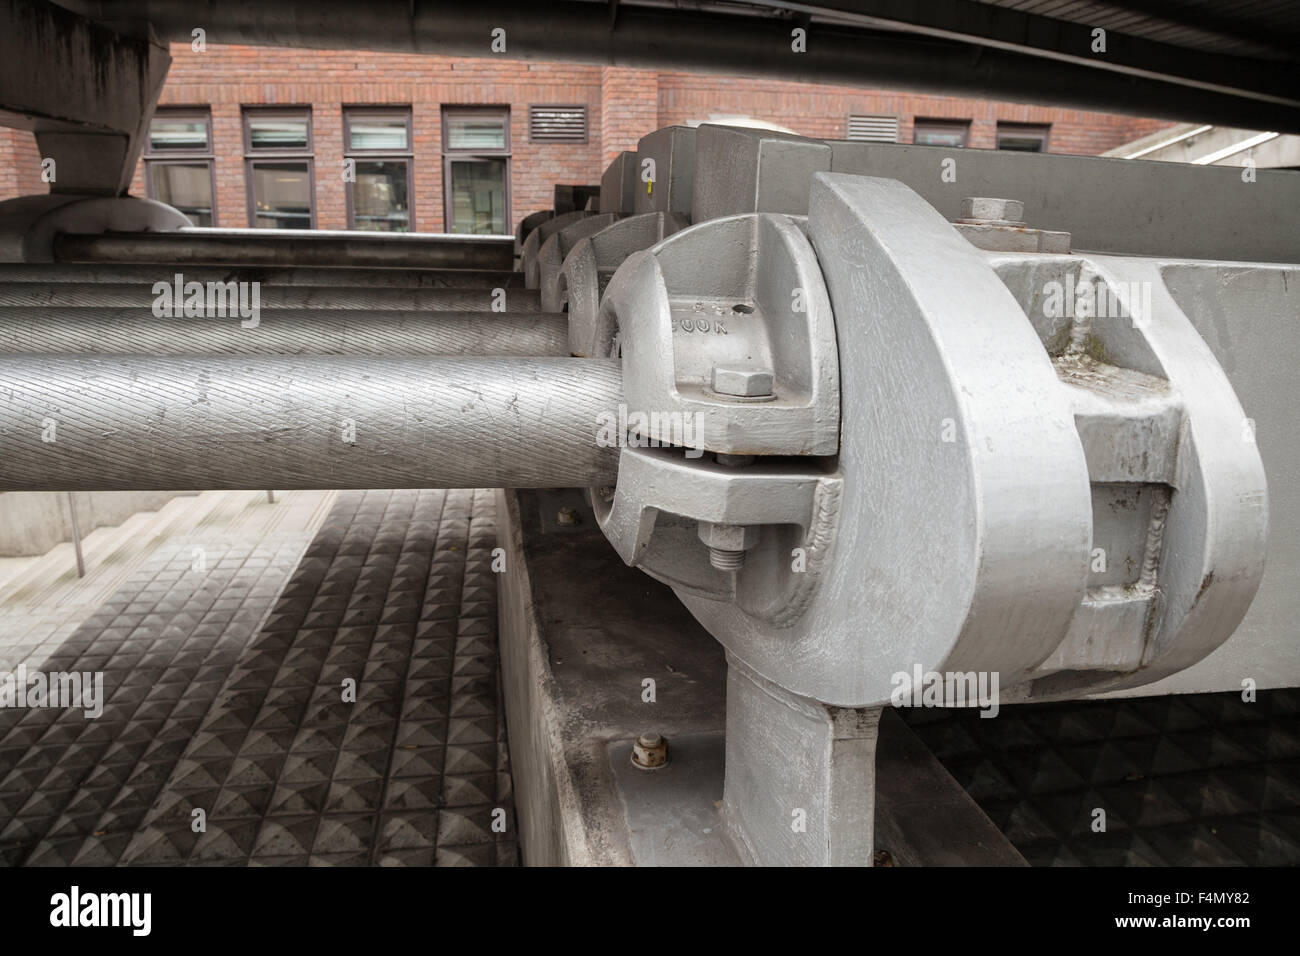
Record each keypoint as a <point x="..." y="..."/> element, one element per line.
<point x="229" y="77"/>
<point x="629" y="109"/>
<point x="20" y="164"/>
<point x="622" y="106"/>
<point x="822" y="112"/>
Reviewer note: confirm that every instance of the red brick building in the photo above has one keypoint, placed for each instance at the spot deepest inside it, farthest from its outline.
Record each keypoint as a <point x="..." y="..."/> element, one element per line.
<point x="268" y="136"/>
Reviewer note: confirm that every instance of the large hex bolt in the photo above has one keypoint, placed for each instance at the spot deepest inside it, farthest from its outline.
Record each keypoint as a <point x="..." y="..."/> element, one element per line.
<point x="742" y="382"/>
<point x="998" y="225"/>
<point x="988" y="211"/>
<point x="728" y="543"/>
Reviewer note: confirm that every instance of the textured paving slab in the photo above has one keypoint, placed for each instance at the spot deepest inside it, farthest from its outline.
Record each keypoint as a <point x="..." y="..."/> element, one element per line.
<point x="1203" y="779"/>
<point x="164" y="644"/>
<point x="394" y="596"/>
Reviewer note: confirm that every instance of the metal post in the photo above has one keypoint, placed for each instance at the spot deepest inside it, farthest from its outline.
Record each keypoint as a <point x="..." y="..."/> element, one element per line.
<point x="76" y="537"/>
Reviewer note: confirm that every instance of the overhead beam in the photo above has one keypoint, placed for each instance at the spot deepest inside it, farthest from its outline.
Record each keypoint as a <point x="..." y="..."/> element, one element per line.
<point x="87" y="93"/>
<point x="1227" y="90"/>
<point x="1062" y="41"/>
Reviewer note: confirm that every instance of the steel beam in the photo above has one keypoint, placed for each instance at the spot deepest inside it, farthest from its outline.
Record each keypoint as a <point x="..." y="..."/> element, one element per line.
<point x="82" y="423"/>
<point x="283" y="332"/>
<point x="283" y="247"/>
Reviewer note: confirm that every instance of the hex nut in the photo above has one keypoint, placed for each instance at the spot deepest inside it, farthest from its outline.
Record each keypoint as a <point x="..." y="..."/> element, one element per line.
<point x="987" y="209"/>
<point x="742" y="382"/>
<point x="567" y="517"/>
<point x="729" y="537"/>
<point x="650" y="751"/>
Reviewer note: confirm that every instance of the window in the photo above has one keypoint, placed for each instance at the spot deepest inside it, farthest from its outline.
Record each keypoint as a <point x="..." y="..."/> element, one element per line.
<point x="277" y="152"/>
<point x="873" y="129"/>
<point x="927" y="132"/>
<point x="476" y="170"/>
<point x="557" y="124"/>
<point x="178" y="163"/>
<point x="1025" y="137"/>
<point x="378" y="141"/>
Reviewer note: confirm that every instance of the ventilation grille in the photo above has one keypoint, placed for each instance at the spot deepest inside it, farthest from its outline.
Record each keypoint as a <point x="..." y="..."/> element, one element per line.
<point x="557" y="124"/>
<point x="874" y="129"/>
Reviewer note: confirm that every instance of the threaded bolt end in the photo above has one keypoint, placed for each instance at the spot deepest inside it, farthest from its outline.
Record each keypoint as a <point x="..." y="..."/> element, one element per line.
<point x="726" y="560"/>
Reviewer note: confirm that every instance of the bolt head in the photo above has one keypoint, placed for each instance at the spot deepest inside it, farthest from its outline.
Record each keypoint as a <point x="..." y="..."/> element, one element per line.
<point x="992" y="210"/>
<point x="567" y="517"/>
<point x="742" y="382"/>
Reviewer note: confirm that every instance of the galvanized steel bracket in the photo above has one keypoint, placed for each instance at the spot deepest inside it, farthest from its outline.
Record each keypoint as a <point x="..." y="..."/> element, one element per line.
<point x="551" y="256"/>
<point x="588" y="268"/>
<point x="726" y="334"/>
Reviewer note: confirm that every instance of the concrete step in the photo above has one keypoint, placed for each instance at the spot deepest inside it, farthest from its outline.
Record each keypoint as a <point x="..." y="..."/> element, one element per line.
<point x="109" y="552"/>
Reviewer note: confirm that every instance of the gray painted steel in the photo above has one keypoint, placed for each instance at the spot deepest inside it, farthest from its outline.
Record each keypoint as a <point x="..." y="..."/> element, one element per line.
<point x="1130" y="207"/>
<point x="84" y="423"/>
<point x="1248" y="318"/>
<point x="282" y="332"/>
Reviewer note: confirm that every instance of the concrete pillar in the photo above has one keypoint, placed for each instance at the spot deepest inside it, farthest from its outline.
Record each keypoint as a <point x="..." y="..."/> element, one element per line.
<point x="85" y="90"/>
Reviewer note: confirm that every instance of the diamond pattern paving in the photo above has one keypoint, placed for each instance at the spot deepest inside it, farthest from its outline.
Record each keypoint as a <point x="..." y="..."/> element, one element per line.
<point x="1182" y="780"/>
<point x="358" y="726"/>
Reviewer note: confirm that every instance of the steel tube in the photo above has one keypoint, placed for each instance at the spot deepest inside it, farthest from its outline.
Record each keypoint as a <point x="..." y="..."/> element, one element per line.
<point x="143" y="295"/>
<point x="80" y="423"/>
<point x="283" y="332"/>
<point x="262" y="247"/>
<point x="126" y="274"/>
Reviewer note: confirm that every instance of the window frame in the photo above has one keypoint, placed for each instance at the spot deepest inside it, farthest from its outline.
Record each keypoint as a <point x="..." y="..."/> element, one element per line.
<point x="247" y="113"/>
<point x="1040" y="131"/>
<point x="256" y="155"/>
<point x="921" y="122"/>
<point x="151" y="164"/>
<point x="183" y="156"/>
<point x="449" y="154"/>
<point x="253" y="161"/>
<point x="351" y="113"/>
